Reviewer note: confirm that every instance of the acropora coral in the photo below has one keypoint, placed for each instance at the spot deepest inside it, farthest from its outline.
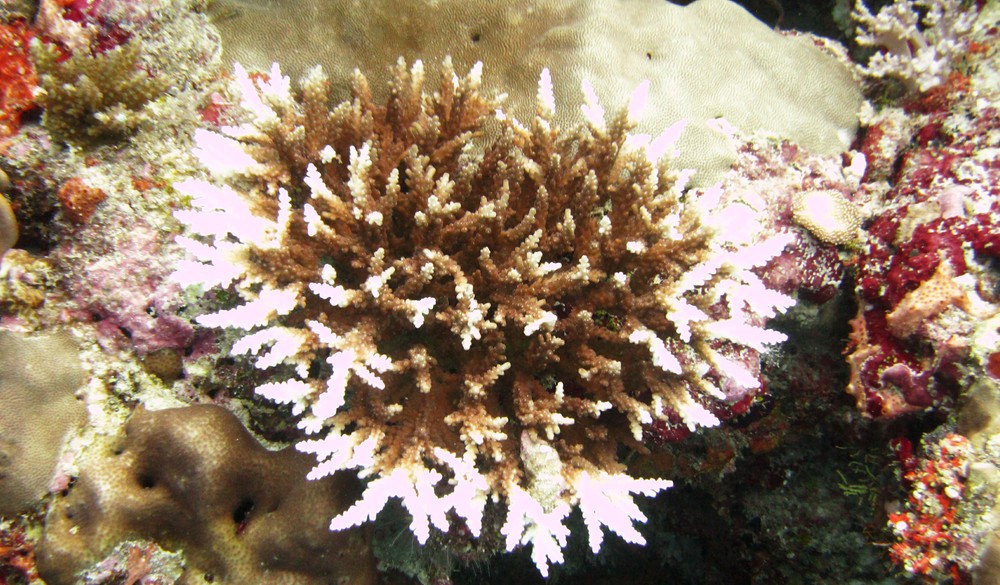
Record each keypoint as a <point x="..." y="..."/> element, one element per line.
<point x="507" y="325"/>
<point x="475" y="324"/>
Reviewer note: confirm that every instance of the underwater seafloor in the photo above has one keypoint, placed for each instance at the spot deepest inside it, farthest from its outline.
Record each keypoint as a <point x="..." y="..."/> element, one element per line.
<point x="494" y="333"/>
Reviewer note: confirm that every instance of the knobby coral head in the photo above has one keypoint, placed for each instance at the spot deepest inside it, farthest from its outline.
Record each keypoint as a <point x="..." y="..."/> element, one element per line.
<point x="468" y="309"/>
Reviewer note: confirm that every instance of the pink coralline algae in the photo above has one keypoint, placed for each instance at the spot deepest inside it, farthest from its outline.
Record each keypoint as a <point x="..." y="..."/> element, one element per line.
<point x="777" y="178"/>
<point x="130" y="297"/>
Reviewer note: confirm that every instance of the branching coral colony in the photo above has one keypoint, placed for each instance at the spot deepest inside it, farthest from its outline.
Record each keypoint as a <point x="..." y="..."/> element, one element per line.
<point x="472" y="316"/>
<point x="920" y="39"/>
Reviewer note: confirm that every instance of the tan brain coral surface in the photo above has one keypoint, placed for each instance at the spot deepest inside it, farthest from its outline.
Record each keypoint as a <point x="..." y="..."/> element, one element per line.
<point x="38" y="378"/>
<point x="708" y="60"/>
<point x="194" y="480"/>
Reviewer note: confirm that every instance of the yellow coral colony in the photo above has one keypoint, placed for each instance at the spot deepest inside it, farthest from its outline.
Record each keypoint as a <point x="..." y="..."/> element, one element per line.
<point x="472" y="323"/>
<point x="90" y="97"/>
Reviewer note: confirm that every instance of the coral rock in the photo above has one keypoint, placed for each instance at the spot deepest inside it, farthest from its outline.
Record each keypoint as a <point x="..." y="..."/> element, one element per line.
<point x="129" y="290"/>
<point x="926" y="273"/>
<point x="88" y="97"/>
<point x="165" y="363"/>
<point x="8" y="226"/>
<point x="930" y="543"/>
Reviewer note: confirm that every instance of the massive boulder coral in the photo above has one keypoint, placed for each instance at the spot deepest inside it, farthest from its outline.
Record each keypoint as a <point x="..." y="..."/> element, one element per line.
<point x="195" y="481"/>
<point x="38" y="378"/>
<point x="466" y="320"/>
<point x="708" y="60"/>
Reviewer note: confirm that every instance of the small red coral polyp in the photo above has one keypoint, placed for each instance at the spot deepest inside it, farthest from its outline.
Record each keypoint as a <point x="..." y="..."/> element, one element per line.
<point x="984" y="232"/>
<point x="79" y="200"/>
<point x="17" y="557"/>
<point x="993" y="364"/>
<point x="17" y="76"/>
<point x="940" y="98"/>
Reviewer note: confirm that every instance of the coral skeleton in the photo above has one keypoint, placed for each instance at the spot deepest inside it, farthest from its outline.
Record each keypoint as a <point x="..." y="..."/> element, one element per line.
<point x="479" y="315"/>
